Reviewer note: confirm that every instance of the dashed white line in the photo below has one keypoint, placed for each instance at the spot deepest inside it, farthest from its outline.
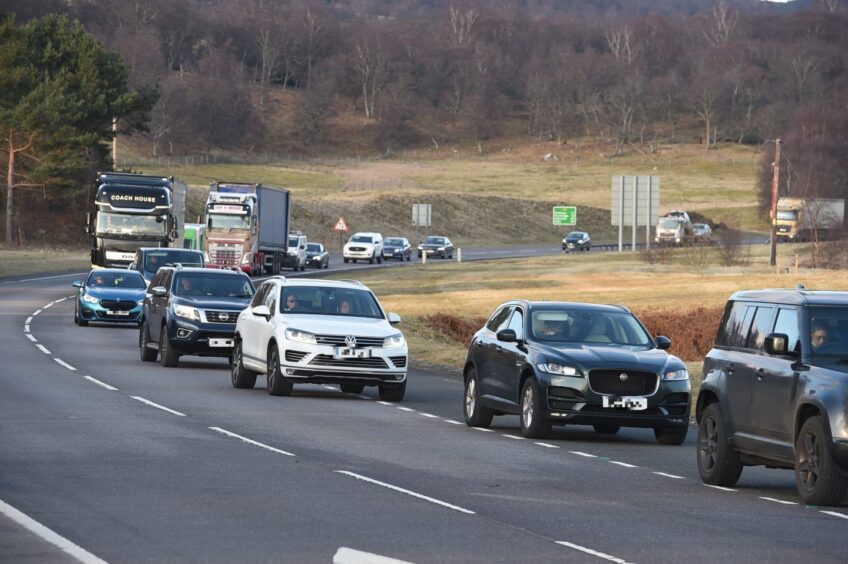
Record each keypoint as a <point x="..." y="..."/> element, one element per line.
<point x="36" y="312"/>
<point x="452" y="422"/>
<point x="586" y="454"/>
<point x="546" y="445"/>
<point x="250" y="441"/>
<point x="157" y="406"/>
<point x="49" y="535"/>
<point x="517" y="438"/>
<point x="626" y="465"/>
<point x="400" y="407"/>
<point x="31" y="338"/>
<point x="26" y="328"/>
<point x="43" y="349"/>
<point x="482" y="429"/>
<point x="430" y="415"/>
<point x="61" y="300"/>
<point x="28" y="320"/>
<point x="61" y="362"/>
<point x="47" y="306"/>
<point x="835" y="514"/>
<point x="346" y="555"/>
<point x="592" y="552"/>
<point x="102" y="384"/>
<point x="775" y="500"/>
<point x="722" y="488"/>
<point x="407" y="492"/>
<point x="670" y="475"/>
<point x="384" y="403"/>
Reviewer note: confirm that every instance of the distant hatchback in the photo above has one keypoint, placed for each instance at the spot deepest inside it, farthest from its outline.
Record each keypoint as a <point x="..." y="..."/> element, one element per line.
<point x="317" y="256"/>
<point x="702" y="232"/>
<point x="111" y="295"/>
<point x="436" y="246"/>
<point x="576" y="241"/>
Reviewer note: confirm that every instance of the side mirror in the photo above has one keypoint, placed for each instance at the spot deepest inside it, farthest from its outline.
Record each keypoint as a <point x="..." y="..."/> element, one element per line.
<point x="394" y="318"/>
<point x="777" y="344"/>
<point x="261" y="311"/>
<point x="76" y="284"/>
<point x="159" y="291"/>
<point x="507" y="336"/>
<point x="663" y="343"/>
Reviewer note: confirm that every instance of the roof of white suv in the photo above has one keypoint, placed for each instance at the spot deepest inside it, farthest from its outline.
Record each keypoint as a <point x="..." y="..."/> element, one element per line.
<point x="313" y="282"/>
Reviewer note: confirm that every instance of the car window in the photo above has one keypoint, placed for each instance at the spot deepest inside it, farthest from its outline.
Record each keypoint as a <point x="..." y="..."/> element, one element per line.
<point x="499" y="319"/>
<point x="212" y="285"/>
<point x="259" y="297"/>
<point x="516" y="323"/>
<point x="759" y="327"/>
<point x="167" y="276"/>
<point x="270" y="298"/>
<point x="734" y="326"/>
<point x="321" y="300"/>
<point x="787" y="323"/>
<point x="129" y="279"/>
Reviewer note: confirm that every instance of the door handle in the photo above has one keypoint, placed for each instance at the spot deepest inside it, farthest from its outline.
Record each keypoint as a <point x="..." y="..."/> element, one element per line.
<point x="760" y="373"/>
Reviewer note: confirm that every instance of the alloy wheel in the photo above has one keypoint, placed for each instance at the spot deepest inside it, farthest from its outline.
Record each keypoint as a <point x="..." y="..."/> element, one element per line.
<point x="708" y="444"/>
<point x="808" y="461"/>
<point x="470" y="396"/>
<point x="527" y="407"/>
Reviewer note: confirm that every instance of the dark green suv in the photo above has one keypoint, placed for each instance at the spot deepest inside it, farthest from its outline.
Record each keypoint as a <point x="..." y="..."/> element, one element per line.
<point x="775" y="391"/>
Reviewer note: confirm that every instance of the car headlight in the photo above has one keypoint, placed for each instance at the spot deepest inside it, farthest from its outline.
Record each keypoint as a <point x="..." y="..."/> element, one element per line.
<point x="90" y="299"/>
<point x="301" y="336"/>
<point x="187" y="311"/>
<point x="556" y="368"/>
<point x="679" y="374"/>
<point x="141" y="301"/>
<point x="420" y="248"/>
<point x="394" y="341"/>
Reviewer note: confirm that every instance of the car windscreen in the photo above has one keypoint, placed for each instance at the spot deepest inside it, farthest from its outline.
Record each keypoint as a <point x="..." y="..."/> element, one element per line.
<point x="575" y="236"/>
<point x="598" y="328"/>
<point x="130" y="280"/>
<point x="153" y="260"/>
<point x="393" y="243"/>
<point x="434" y="241"/>
<point x="361" y="239"/>
<point x="313" y="247"/>
<point x="829" y="332"/>
<point x="788" y="215"/>
<point x="320" y="300"/>
<point x="212" y="284"/>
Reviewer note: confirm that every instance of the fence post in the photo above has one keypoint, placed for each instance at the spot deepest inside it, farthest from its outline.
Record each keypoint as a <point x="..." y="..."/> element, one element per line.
<point x="459" y="254"/>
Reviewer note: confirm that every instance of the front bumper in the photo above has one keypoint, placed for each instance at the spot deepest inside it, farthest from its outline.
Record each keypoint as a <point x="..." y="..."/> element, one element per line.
<point x="400" y="255"/>
<point x="317" y="364"/>
<point x="201" y="338"/>
<point x="359" y="254"/>
<point x="96" y="312"/>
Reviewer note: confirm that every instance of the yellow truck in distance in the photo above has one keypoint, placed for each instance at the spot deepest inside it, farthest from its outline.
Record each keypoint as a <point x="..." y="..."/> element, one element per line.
<point x="808" y="219"/>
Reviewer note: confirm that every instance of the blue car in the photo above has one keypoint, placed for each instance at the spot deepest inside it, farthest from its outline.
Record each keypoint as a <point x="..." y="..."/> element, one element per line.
<point x="110" y="294"/>
<point x="397" y="248"/>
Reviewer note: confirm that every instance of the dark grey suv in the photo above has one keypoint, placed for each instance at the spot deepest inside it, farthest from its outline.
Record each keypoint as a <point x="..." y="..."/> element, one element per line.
<point x="775" y="391"/>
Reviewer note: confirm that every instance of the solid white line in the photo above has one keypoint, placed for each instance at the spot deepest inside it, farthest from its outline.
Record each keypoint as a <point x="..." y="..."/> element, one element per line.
<point x="61" y="300"/>
<point x="384" y="402"/>
<point x="36" y="312"/>
<point x="31" y="338"/>
<point x="99" y="383"/>
<point x="28" y="320"/>
<point x="835" y="514"/>
<point x="43" y="349"/>
<point x="513" y="437"/>
<point x="65" y="364"/>
<point x="346" y="555"/>
<point x="669" y="475"/>
<point x="586" y="454"/>
<point x="406" y="409"/>
<point x="592" y="552"/>
<point x="623" y="464"/>
<point x="546" y="445"/>
<point x="783" y="501"/>
<point x="452" y="422"/>
<point x="250" y="441"/>
<point x="407" y="492"/>
<point x="41" y="278"/>
<point x="48" y="535"/>
<point x="430" y="415"/>
<point x="722" y="488"/>
<point x="157" y="406"/>
<point x="482" y="429"/>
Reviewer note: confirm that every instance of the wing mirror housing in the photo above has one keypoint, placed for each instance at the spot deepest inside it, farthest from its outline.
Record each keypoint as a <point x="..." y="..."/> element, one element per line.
<point x="261" y="311"/>
<point x="159" y="291"/>
<point x="777" y="344"/>
<point x="394" y="318"/>
<point x="663" y="343"/>
<point x="76" y="284"/>
<point x="507" y="336"/>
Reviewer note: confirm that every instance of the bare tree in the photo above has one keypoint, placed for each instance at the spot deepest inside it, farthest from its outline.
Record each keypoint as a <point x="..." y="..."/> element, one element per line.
<point x="462" y="24"/>
<point x="721" y="25"/>
<point x="370" y="61"/>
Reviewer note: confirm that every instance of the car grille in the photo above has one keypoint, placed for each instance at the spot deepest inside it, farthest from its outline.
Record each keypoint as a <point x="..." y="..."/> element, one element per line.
<point x="339" y="341"/>
<point x="221" y="316"/>
<point x="357" y="249"/>
<point x="114" y="305"/>
<point x="398" y="361"/>
<point x="638" y="383"/>
<point x="295" y="356"/>
<point x="328" y="360"/>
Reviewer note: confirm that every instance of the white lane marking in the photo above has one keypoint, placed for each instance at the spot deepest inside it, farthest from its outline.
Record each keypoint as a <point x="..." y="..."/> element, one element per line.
<point x="669" y="475"/>
<point x="722" y="488"/>
<point x="346" y="555"/>
<point x="65" y="364"/>
<point x="623" y="464"/>
<point x="157" y="406"/>
<point x="452" y="422"/>
<point x="48" y="535"/>
<point x="586" y="454"/>
<point x="41" y="278"/>
<point x="383" y="402"/>
<point x="47" y="305"/>
<point x="783" y="501"/>
<point x="43" y="349"/>
<point x="31" y="338"/>
<point x="26" y="328"/>
<point x="836" y="514"/>
<point x="482" y="429"/>
<point x="36" y="312"/>
<point x="546" y="445"/>
<point x="405" y="409"/>
<point x="430" y="415"/>
<point x="250" y="441"/>
<point x="592" y="552"/>
<point x="99" y="383"/>
<point x="407" y="492"/>
<point x="513" y="437"/>
<point x="61" y="300"/>
<point x="28" y="320"/>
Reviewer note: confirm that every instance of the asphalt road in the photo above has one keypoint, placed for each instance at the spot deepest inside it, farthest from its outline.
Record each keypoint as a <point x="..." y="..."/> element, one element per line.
<point x="127" y="461"/>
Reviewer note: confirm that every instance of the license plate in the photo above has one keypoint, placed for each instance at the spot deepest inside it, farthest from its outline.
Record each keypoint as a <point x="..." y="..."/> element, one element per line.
<point x="110" y="312"/>
<point x="220" y="343"/>
<point x="628" y="402"/>
<point x="346" y="352"/>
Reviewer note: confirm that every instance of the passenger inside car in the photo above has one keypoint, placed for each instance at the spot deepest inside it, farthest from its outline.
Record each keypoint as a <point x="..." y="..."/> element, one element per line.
<point x="819" y="335"/>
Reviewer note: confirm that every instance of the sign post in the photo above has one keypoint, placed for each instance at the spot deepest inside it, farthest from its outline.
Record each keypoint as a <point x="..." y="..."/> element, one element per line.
<point x="342" y="228"/>
<point x="635" y="202"/>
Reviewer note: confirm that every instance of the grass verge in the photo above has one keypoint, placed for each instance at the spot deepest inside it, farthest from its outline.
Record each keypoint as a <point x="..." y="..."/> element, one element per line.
<point x="30" y="262"/>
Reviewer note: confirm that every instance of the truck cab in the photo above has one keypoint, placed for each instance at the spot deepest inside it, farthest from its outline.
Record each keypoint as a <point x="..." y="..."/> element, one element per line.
<point x="675" y="228"/>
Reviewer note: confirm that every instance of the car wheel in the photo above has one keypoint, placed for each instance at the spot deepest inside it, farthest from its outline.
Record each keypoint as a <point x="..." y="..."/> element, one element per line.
<point x="816" y="476"/>
<point x="666" y="436"/>
<point x="393" y="393"/>
<point x="379" y="259"/>
<point x="371" y="260"/>
<point x="607" y="429"/>
<point x="475" y="414"/>
<point x="240" y="376"/>
<point x="167" y="356"/>
<point x="408" y="258"/>
<point x="352" y="388"/>
<point x="79" y="320"/>
<point x="442" y="255"/>
<point x="277" y="384"/>
<point x="326" y="265"/>
<point x="345" y="260"/>
<point x="76" y="316"/>
<point x="533" y="424"/>
<point x="354" y="261"/>
<point x="147" y="354"/>
<point x="718" y="464"/>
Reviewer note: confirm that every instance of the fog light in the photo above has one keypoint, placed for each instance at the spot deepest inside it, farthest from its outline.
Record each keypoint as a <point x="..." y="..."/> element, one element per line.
<point x="289" y="372"/>
<point x="398" y="376"/>
<point x="183" y="333"/>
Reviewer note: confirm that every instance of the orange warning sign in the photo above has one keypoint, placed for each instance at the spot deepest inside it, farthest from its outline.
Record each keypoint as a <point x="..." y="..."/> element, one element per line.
<point x="341" y="225"/>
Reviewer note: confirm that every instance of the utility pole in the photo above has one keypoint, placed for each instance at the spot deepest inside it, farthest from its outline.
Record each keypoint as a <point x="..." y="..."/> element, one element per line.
<point x="774" y="183"/>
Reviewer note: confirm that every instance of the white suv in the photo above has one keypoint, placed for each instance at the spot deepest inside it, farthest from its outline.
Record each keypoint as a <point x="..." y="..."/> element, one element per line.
<point x="319" y="331"/>
<point x="364" y="246"/>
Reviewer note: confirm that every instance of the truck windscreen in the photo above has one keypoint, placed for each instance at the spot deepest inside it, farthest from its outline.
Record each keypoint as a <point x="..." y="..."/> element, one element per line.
<point x="227" y="221"/>
<point x="786" y="215"/>
<point x="129" y="224"/>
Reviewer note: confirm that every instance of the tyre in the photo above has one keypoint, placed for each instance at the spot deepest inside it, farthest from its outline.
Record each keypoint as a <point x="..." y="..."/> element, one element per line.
<point x="345" y="260"/>
<point x="379" y="259"/>
<point x="441" y="254"/>
<point x="76" y="316"/>
<point x="354" y="261"/>
<point x="666" y="436"/>
<point x="607" y="429"/>
<point x="371" y="260"/>
<point x="718" y="464"/>
<point x="816" y="476"/>
<point x="79" y="320"/>
<point x="475" y="414"/>
<point x="167" y="356"/>
<point x="533" y="424"/>
<point x="277" y="384"/>
<point x="326" y="265"/>
<point x="240" y="376"/>
<point x="393" y="393"/>
<point x="147" y="354"/>
<point x="408" y="258"/>
<point x="352" y="388"/>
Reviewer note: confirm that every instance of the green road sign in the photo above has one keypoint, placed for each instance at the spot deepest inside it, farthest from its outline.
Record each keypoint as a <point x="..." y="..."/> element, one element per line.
<point x="565" y="215"/>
